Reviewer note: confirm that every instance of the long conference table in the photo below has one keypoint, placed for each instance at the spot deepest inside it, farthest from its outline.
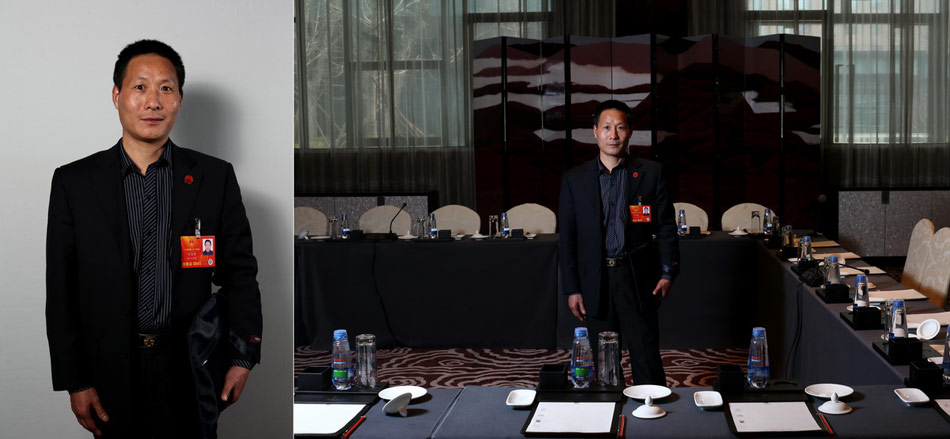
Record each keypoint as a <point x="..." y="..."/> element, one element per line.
<point x="480" y="412"/>
<point x="504" y="294"/>
<point x="481" y="294"/>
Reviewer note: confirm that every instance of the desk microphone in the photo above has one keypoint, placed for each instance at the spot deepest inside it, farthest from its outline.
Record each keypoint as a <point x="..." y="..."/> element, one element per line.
<point x="394" y="219"/>
<point x="861" y="269"/>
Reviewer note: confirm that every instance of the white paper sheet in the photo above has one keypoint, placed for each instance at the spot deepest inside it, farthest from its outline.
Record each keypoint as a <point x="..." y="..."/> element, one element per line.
<point x="883" y="295"/>
<point x="845" y="255"/>
<point x="750" y="417"/>
<point x="572" y="417"/>
<point x="938" y="348"/>
<point x="915" y="319"/>
<point x="848" y="271"/>
<point x="944" y="405"/>
<point x="323" y="418"/>
<point x="820" y="244"/>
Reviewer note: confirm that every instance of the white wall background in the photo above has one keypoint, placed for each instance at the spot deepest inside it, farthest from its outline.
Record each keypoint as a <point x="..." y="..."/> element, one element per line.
<point x="56" y="60"/>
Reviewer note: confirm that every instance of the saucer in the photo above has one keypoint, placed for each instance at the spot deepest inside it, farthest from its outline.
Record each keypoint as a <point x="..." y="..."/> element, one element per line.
<point x="824" y="390"/>
<point x="392" y="392"/>
<point x="644" y="391"/>
<point x="648" y="410"/>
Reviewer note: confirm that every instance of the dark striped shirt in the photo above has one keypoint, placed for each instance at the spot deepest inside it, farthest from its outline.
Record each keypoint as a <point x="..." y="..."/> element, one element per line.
<point x="613" y="196"/>
<point x="148" y="204"/>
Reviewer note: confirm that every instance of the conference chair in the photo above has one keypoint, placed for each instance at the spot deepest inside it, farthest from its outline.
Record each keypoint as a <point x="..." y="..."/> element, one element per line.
<point x="310" y="220"/>
<point x="695" y="215"/>
<point x="458" y="218"/>
<point x="376" y="220"/>
<point x="740" y="216"/>
<point x="532" y="218"/>
<point x="935" y="279"/>
<point x="917" y="253"/>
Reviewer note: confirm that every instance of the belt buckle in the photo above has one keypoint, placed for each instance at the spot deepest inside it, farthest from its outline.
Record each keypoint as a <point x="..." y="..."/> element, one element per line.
<point x="149" y="341"/>
<point x="611" y="262"/>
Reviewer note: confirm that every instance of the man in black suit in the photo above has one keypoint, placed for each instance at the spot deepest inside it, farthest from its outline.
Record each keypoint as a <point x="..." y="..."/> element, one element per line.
<point x="618" y="248"/>
<point x="121" y="292"/>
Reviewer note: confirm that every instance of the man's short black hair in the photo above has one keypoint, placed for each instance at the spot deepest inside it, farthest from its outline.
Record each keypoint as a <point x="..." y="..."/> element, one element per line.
<point x="144" y="47"/>
<point x="611" y="104"/>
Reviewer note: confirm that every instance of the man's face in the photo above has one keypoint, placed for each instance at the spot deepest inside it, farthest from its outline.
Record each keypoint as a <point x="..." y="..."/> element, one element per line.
<point x="149" y="99"/>
<point x="207" y="245"/>
<point x="612" y="133"/>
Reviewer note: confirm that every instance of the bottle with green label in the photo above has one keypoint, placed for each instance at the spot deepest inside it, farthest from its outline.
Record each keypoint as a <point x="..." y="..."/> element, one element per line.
<point x="342" y="364"/>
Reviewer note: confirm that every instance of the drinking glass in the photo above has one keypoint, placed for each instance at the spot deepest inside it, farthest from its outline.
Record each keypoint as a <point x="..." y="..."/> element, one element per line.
<point x="609" y="358"/>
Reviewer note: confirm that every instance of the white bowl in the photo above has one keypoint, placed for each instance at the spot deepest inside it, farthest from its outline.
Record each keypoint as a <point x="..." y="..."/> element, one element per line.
<point x="707" y="399"/>
<point x="912" y="396"/>
<point x="521" y="397"/>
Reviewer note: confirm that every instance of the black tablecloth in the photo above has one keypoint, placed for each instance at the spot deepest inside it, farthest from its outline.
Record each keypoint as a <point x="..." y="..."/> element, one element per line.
<point x="460" y="294"/>
<point x="480" y="412"/>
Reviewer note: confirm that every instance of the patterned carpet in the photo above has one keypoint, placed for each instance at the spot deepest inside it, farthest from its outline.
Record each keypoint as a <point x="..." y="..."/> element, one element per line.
<point x="434" y="368"/>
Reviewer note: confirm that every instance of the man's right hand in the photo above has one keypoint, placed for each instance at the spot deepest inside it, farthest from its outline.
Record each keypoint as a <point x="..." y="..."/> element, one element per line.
<point x="87" y="408"/>
<point x="576" y="303"/>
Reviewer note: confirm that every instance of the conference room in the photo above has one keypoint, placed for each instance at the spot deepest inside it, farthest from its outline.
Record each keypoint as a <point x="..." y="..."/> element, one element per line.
<point x="781" y="221"/>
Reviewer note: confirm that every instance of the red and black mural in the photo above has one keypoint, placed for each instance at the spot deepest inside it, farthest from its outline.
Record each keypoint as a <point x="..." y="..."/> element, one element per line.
<point x="733" y="120"/>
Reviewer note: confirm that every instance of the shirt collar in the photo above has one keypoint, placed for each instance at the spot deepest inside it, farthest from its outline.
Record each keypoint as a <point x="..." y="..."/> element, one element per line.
<point x="601" y="169"/>
<point x="128" y="167"/>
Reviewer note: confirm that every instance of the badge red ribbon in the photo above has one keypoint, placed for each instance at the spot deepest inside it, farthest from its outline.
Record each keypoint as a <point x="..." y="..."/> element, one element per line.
<point x="189" y="179"/>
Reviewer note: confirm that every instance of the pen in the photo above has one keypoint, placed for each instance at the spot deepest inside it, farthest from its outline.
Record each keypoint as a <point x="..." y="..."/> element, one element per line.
<point x="623" y="423"/>
<point x="828" y="426"/>
<point x="357" y="424"/>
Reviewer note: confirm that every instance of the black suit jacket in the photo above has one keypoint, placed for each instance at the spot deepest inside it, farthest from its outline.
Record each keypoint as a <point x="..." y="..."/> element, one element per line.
<point x="652" y="247"/>
<point x="91" y="285"/>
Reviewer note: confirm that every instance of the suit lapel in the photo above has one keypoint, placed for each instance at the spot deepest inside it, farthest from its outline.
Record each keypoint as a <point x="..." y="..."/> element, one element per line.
<point x="634" y="177"/>
<point x="108" y="187"/>
<point x="593" y="187"/>
<point x="186" y="180"/>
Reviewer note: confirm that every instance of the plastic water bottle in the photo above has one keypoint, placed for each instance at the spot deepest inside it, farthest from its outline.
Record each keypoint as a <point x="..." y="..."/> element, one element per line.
<point x="804" y="249"/>
<point x="344" y="227"/>
<point x="342" y="364"/>
<point x="505" y="231"/>
<point x="758" y="366"/>
<point x="861" y="292"/>
<point x="832" y="272"/>
<point x="767" y="222"/>
<point x="433" y="229"/>
<point x="898" y="320"/>
<point x="681" y="225"/>
<point x="581" y="359"/>
<point x="946" y="359"/>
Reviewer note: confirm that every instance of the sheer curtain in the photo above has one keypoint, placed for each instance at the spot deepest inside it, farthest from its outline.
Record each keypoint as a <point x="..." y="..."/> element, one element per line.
<point x="380" y="95"/>
<point x="885" y="80"/>
<point x="382" y="87"/>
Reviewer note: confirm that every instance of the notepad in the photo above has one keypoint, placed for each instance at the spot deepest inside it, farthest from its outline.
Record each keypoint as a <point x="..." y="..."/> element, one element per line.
<point x="762" y="417"/>
<point x="820" y="244"/>
<point x="572" y="417"/>
<point x="323" y="418"/>
<point x="944" y="405"/>
<point x="883" y="295"/>
<point x="840" y="255"/>
<point x="915" y="319"/>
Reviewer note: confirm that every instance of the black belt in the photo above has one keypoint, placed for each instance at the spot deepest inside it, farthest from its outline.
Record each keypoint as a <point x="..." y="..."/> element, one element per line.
<point x="615" y="262"/>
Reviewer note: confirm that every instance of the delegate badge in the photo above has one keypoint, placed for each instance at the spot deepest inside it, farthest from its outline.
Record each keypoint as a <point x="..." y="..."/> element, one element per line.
<point x="197" y="251"/>
<point x="640" y="214"/>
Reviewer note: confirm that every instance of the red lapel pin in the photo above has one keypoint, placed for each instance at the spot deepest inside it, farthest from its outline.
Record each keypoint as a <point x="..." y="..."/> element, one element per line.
<point x="189" y="179"/>
<point x="636" y="174"/>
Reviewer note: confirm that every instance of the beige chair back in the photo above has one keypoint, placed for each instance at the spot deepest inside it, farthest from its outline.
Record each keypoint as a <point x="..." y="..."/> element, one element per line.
<point x="458" y="218"/>
<point x="917" y="253"/>
<point x="695" y="215"/>
<point x="532" y="218"/>
<point x="740" y="216"/>
<point x="376" y="220"/>
<point x="935" y="278"/>
<point x="310" y="220"/>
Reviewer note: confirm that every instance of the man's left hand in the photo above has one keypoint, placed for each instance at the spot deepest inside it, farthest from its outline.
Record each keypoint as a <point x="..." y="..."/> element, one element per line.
<point x="662" y="288"/>
<point x="234" y="383"/>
